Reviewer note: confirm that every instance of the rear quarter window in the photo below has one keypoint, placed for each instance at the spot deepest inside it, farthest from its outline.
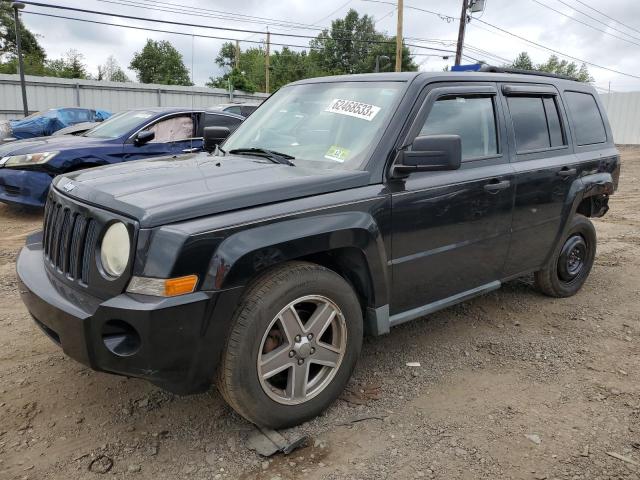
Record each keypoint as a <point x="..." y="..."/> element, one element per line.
<point x="587" y="121"/>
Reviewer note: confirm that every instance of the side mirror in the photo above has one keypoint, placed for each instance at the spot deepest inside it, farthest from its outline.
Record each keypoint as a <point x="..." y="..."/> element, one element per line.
<point x="214" y="136"/>
<point x="145" y="136"/>
<point x="430" y="153"/>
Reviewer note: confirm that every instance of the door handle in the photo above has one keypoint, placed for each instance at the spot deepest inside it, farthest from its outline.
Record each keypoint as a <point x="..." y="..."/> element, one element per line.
<point x="190" y="150"/>
<point x="567" y="172"/>
<point x="497" y="185"/>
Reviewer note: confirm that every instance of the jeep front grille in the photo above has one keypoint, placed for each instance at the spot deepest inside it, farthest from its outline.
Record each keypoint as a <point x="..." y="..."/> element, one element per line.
<point x="68" y="240"/>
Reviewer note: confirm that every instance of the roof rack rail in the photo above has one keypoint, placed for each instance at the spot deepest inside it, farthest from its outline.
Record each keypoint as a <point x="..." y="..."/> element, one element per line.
<point x="493" y="69"/>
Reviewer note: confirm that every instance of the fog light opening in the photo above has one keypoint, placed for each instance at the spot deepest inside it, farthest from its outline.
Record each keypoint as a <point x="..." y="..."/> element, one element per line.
<point x="121" y="338"/>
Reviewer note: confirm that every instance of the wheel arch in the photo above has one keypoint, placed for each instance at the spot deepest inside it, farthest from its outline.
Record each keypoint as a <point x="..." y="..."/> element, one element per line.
<point x="349" y="243"/>
<point x="587" y="196"/>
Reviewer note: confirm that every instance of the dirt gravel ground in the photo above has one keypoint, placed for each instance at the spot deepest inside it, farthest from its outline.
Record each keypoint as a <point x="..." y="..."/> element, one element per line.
<point x="512" y="385"/>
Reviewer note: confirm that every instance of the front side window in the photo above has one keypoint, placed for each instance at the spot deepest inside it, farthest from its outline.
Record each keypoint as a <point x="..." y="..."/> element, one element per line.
<point x="172" y="129"/>
<point x="536" y="123"/>
<point x="472" y="118"/>
<point x="331" y="125"/>
<point x="589" y="127"/>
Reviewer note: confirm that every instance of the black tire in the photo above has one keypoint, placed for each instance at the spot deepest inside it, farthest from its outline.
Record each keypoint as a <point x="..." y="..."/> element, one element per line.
<point x="564" y="275"/>
<point x="238" y="375"/>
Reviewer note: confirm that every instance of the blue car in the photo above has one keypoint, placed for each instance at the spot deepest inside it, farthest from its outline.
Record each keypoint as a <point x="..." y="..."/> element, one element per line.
<point x="28" y="166"/>
<point x="45" y="123"/>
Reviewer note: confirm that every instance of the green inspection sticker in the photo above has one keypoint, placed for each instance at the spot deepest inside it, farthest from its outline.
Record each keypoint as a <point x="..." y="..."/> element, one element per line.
<point x="337" y="154"/>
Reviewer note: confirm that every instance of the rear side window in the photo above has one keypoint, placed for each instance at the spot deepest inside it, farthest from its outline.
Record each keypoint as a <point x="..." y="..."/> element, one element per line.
<point x="536" y="123"/>
<point x="472" y="118"/>
<point x="587" y="121"/>
<point x="215" y="120"/>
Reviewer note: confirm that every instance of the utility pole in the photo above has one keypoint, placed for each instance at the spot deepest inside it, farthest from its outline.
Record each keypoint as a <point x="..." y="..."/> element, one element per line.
<point x="399" y="36"/>
<point x="19" y="6"/>
<point x="463" y="24"/>
<point x="238" y="54"/>
<point x="266" y="63"/>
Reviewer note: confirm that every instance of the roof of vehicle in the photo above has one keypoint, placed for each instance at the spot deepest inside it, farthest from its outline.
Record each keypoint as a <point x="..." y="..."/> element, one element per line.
<point x="165" y="110"/>
<point x="220" y="106"/>
<point x="496" y="75"/>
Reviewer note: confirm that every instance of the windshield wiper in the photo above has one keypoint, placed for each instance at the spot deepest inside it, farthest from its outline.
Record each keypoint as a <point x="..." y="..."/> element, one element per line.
<point x="275" y="157"/>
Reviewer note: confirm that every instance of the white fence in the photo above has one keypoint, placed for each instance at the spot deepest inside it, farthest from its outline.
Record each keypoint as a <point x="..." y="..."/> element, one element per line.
<point x="51" y="92"/>
<point x="623" y="110"/>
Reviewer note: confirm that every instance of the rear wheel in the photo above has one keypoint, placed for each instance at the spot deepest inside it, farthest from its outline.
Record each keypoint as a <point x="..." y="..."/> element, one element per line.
<point x="568" y="268"/>
<point x="293" y="345"/>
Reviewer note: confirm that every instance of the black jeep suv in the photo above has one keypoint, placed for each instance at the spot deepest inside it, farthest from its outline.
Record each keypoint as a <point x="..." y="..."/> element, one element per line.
<point x="343" y="205"/>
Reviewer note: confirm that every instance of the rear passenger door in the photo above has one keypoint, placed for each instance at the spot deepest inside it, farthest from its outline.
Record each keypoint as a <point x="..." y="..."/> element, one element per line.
<point x="544" y="162"/>
<point x="451" y="228"/>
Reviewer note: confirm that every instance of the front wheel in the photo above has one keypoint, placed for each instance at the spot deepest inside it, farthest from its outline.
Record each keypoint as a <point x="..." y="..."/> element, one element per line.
<point x="568" y="268"/>
<point x="294" y="342"/>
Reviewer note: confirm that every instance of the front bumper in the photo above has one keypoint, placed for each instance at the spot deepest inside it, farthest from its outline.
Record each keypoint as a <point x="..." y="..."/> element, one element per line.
<point x="24" y="187"/>
<point x="179" y="340"/>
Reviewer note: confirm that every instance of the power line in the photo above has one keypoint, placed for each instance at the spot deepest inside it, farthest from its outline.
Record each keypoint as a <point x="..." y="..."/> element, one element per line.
<point x="607" y="16"/>
<point x="264" y="20"/>
<point x="170" y="22"/>
<point x="487" y="53"/>
<point x="447" y="18"/>
<point x="148" y="29"/>
<point x="333" y="12"/>
<point x="211" y="27"/>
<point x="523" y="39"/>
<point x="589" y="25"/>
<point x="556" y="51"/>
<point x="594" y="18"/>
<point x="186" y="34"/>
<point x="220" y="14"/>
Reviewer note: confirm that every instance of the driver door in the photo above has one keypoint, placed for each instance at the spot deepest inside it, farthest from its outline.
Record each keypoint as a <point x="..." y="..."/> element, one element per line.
<point x="451" y="229"/>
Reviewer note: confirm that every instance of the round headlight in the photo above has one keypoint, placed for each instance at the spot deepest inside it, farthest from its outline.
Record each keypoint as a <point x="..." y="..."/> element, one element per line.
<point x="115" y="249"/>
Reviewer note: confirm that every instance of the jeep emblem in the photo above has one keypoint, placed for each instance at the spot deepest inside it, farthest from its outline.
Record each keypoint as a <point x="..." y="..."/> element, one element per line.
<point x="67" y="187"/>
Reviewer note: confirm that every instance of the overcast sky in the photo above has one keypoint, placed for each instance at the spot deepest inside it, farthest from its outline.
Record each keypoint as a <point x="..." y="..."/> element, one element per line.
<point x="526" y="18"/>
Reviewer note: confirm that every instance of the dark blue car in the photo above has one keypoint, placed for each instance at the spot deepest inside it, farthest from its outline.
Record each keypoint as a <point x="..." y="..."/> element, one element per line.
<point x="28" y="166"/>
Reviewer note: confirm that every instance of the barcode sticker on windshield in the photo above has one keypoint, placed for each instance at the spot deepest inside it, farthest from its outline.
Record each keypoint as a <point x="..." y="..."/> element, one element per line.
<point x="353" y="109"/>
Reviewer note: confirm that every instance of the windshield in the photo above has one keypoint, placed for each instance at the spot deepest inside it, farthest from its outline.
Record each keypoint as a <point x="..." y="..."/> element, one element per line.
<point x="119" y="124"/>
<point x="322" y="125"/>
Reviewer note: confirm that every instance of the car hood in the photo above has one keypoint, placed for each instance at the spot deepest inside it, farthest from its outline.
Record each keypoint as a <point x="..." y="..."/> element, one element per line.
<point x="170" y="189"/>
<point x="48" y="144"/>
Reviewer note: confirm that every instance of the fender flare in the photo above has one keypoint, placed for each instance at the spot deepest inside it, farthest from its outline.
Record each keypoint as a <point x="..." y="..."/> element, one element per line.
<point x="242" y="255"/>
<point x="582" y="188"/>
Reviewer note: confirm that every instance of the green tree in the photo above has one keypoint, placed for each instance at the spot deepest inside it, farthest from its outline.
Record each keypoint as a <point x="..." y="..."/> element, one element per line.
<point x="352" y="45"/>
<point x="564" y="67"/>
<point x="234" y="80"/>
<point x="290" y="66"/>
<point x="160" y="62"/>
<point x="71" y="65"/>
<point x="238" y="78"/>
<point x="523" y="62"/>
<point x="554" y="65"/>
<point x="111" y="71"/>
<point x="34" y="55"/>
